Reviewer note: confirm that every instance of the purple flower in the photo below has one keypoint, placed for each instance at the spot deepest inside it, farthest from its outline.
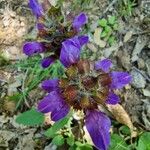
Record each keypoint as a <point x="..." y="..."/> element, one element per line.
<point x="104" y="65"/>
<point x="40" y="26"/>
<point x="54" y="103"/>
<point x="67" y="49"/>
<point x="50" y="85"/>
<point x="98" y="126"/>
<point x="79" y="21"/>
<point x="36" y="8"/>
<point x="71" y="48"/>
<point x="31" y="48"/>
<point x="72" y="92"/>
<point x="46" y="62"/>
<point x="120" y="79"/>
<point x="112" y="98"/>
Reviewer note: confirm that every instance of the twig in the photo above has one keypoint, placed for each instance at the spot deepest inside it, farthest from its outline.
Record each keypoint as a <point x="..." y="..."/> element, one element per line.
<point x="109" y="6"/>
<point x="143" y="32"/>
<point x="145" y="76"/>
<point x="23" y="89"/>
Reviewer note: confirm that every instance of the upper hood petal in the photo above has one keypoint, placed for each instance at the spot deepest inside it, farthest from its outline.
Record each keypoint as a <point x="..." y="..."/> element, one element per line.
<point x="79" y="21"/>
<point x="71" y="48"/>
<point x="120" y="79"/>
<point x="104" y="65"/>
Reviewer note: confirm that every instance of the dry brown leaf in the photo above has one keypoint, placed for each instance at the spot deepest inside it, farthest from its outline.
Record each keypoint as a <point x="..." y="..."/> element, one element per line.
<point x="97" y="39"/>
<point x="4" y="76"/>
<point x="53" y="2"/>
<point x="122" y="117"/>
<point x="127" y="36"/>
<point x="97" y="34"/>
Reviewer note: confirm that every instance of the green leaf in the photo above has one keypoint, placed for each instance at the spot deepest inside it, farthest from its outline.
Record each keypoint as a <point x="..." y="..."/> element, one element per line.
<point x="103" y="34"/>
<point x="81" y="146"/>
<point x="103" y="22"/>
<point x="31" y="117"/>
<point x="70" y="140"/>
<point x="115" y="26"/>
<point x="84" y="147"/>
<point x="74" y="147"/>
<point x="15" y="97"/>
<point x="117" y="143"/>
<point x="51" y="132"/>
<point x="112" y="20"/>
<point x="58" y="140"/>
<point x="125" y="130"/>
<point x="144" y="141"/>
<point x="57" y="70"/>
<point x="108" y="29"/>
<point x="111" y="40"/>
<point x="78" y="143"/>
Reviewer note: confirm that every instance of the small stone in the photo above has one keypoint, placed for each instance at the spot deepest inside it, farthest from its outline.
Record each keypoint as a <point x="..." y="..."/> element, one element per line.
<point x="102" y="43"/>
<point x="124" y="59"/>
<point x="140" y="44"/>
<point x="141" y="63"/>
<point x="138" y="80"/>
<point x="146" y="92"/>
<point x="92" y="47"/>
<point x="127" y="87"/>
<point x="22" y="24"/>
<point x="50" y="147"/>
<point x="148" y="66"/>
<point x="127" y="36"/>
<point x="97" y="34"/>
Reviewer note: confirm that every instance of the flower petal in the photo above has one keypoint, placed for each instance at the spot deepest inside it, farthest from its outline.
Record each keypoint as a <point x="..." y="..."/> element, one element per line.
<point x="50" y="85"/>
<point x="98" y="126"/>
<point x="40" y="26"/>
<point x="83" y="39"/>
<point x="50" y="102"/>
<point x="120" y="79"/>
<point x="70" y="51"/>
<point x="79" y="21"/>
<point x="104" y="65"/>
<point x="31" y="48"/>
<point x="112" y="98"/>
<point x="60" y="112"/>
<point x="36" y="8"/>
<point x="46" y="62"/>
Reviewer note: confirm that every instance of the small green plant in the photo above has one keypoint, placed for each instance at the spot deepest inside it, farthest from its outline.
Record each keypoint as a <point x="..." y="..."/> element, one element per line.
<point x="31" y="118"/>
<point x="108" y="25"/>
<point x="126" y="7"/>
<point x="143" y="142"/>
<point x="34" y="74"/>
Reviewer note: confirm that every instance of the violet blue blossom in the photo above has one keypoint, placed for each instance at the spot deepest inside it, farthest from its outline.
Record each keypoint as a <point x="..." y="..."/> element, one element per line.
<point x="36" y="8"/>
<point x="70" y="40"/>
<point x="79" y="21"/>
<point x="71" y="48"/>
<point x="87" y="85"/>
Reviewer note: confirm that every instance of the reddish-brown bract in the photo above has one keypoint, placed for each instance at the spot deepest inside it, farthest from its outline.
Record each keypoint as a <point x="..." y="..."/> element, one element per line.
<point x="85" y="87"/>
